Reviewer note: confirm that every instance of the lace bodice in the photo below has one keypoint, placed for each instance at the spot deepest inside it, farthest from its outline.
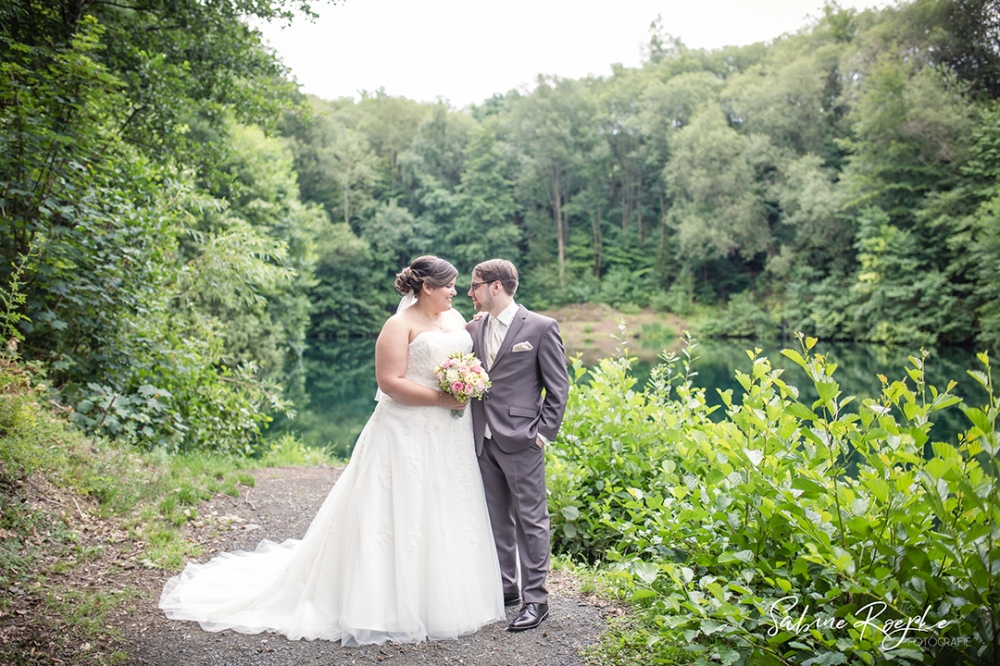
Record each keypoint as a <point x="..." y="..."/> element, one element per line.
<point x="427" y="351"/>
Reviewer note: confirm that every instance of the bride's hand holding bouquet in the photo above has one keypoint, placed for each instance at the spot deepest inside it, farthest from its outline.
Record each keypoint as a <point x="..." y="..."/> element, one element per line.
<point x="462" y="377"/>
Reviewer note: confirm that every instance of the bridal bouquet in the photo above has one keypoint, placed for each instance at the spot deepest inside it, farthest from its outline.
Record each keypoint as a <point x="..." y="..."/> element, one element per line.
<point x="462" y="375"/>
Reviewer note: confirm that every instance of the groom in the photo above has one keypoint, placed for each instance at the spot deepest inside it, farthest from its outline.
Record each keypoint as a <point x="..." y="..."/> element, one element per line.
<point x="523" y="353"/>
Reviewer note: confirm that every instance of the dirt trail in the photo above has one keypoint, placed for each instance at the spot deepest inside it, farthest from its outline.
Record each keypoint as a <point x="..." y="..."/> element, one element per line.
<point x="280" y="506"/>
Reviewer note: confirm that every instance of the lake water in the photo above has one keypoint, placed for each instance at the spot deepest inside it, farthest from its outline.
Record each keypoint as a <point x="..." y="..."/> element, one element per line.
<point x="341" y="381"/>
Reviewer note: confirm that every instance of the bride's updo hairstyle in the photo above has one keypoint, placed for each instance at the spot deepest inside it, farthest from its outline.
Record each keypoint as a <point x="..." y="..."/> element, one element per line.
<point x="434" y="271"/>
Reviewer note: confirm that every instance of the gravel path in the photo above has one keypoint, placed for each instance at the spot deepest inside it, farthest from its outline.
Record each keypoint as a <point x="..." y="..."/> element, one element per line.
<point x="281" y="506"/>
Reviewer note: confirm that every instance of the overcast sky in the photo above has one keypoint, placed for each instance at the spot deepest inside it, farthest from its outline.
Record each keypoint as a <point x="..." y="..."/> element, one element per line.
<point x="463" y="51"/>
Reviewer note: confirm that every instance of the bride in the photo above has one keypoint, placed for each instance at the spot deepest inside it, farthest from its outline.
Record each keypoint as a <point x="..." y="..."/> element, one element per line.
<point x="402" y="548"/>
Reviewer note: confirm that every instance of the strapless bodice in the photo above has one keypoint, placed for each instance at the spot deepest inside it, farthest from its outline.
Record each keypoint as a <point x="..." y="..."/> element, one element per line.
<point x="429" y="349"/>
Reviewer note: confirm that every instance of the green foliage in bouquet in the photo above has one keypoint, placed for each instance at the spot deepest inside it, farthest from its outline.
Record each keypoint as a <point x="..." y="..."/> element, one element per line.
<point x="788" y="532"/>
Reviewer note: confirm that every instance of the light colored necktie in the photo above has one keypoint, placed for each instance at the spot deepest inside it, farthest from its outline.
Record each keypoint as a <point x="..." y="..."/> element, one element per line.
<point x="493" y="342"/>
<point x="494" y="339"/>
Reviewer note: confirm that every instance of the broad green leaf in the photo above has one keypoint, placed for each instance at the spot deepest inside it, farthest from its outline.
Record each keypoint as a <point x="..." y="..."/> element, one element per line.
<point x="807" y="485"/>
<point x="978" y="418"/>
<point x="826" y="659"/>
<point x="798" y="410"/>
<point x="827" y="392"/>
<point x="716" y="591"/>
<point x="646" y="571"/>
<point x="979" y="377"/>
<point x="795" y="357"/>
<point x="743" y="379"/>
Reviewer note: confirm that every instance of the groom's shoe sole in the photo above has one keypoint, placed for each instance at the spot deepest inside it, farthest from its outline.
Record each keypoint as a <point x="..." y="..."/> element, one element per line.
<point x="530" y="616"/>
<point x="511" y="599"/>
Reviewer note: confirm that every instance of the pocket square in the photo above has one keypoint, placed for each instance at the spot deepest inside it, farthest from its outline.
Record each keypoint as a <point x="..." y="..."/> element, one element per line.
<point x="522" y="346"/>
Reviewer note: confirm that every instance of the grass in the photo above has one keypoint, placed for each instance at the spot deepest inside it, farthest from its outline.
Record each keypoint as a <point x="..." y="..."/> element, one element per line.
<point x="589" y="329"/>
<point x="627" y="643"/>
<point x="631" y="638"/>
<point x="288" y="451"/>
<point x="68" y="500"/>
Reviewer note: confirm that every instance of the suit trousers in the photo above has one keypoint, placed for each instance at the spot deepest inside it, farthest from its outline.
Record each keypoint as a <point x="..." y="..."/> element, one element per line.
<point x="519" y="514"/>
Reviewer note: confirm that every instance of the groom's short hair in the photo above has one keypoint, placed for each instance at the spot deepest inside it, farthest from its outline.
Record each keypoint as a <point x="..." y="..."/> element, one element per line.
<point x="498" y="269"/>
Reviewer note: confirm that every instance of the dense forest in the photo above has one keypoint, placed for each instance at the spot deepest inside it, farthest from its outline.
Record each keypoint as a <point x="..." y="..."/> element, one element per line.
<point x="178" y="222"/>
<point x="841" y="181"/>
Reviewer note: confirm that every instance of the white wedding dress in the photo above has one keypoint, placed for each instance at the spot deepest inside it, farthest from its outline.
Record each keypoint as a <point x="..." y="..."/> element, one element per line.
<point x="401" y="549"/>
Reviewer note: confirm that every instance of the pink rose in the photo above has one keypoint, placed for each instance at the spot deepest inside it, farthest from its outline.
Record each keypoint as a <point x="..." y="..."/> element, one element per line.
<point x="468" y="388"/>
<point x="456" y="388"/>
<point x="477" y="369"/>
<point x="447" y="363"/>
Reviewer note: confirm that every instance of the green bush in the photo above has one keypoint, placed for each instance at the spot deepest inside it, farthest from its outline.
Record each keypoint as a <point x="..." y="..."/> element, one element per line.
<point x="615" y="441"/>
<point x="678" y="298"/>
<point x="787" y="532"/>
<point x="744" y="317"/>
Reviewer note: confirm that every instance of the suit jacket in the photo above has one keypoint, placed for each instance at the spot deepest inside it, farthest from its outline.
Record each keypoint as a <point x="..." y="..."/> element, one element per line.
<point x="515" y="406"/>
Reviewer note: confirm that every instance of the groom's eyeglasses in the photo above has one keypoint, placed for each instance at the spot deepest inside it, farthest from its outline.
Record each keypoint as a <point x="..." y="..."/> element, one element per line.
<point x="478" y="284"/>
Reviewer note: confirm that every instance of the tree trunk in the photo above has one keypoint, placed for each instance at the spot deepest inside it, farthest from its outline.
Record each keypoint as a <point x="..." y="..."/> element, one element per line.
<point x="557" y="218"/>
<point x="392" y="170"/>
<point x="625" y="211"/>
<point x="598" y="242"/>
<point x="347" y="194"/>
<point x="663" y="224"/>
<point x="638" y="206"/>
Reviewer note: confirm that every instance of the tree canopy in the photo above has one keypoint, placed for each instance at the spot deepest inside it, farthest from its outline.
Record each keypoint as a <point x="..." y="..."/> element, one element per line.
<point x="154" y="232"/>
<point x="826" y="177"/>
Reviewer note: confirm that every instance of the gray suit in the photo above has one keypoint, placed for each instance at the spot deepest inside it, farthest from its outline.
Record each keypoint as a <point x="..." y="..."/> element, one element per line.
<point x="512" y="465"/>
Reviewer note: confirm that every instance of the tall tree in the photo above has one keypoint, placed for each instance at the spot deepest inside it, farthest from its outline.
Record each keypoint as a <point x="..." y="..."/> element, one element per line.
<point x="554" y="129"/>
<point x="115" y="114"/>
<point x="390" y="123"/>
<point x="717" y="179"/>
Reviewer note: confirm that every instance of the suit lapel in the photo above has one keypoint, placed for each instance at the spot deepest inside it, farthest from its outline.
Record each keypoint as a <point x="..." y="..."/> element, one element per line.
<point x="515" y="326"/>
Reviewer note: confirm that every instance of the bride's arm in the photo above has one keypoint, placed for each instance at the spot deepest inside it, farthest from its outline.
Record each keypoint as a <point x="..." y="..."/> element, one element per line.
<point x="390" y="369"/>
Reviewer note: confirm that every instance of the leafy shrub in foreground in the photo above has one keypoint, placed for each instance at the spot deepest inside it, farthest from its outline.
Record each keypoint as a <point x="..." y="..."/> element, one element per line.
<point x="788" y="532"/>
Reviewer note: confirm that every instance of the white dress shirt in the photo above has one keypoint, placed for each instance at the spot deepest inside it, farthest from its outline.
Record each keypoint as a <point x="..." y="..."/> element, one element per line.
<point x="496" y="331"/>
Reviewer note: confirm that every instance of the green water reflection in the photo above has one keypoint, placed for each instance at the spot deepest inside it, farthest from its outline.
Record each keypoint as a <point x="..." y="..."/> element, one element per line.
<point x="341" y="381"/>
<point x="857" y="368"/>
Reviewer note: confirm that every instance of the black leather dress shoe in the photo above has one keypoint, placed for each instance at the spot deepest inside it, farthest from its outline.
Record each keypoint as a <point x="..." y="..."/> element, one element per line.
<point x="511" y="599"/>
<point x="530" y="616"/>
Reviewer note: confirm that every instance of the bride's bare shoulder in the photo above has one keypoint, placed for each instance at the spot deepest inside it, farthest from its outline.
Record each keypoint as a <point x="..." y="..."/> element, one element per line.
<point x="396" y="326"/>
